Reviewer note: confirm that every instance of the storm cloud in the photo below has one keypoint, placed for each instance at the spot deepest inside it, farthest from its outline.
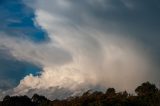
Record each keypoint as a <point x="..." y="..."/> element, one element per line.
<point x="93" y="44"/>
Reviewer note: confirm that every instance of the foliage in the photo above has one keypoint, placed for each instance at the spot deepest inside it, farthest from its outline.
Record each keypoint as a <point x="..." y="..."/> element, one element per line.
<point x="147" y="95"/>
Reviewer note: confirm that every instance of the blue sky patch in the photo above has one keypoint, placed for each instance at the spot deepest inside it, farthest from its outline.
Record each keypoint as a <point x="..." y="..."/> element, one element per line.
<point x="16" y="20"/>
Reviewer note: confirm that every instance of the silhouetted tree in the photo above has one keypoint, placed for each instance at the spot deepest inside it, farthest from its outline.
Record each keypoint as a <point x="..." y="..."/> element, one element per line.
<point x="147" y="95"/>
<point x="146" y="89"/>
<point x="17" y="101"/>
<point x="110" y="92"/>
<point x="40" y="100"/>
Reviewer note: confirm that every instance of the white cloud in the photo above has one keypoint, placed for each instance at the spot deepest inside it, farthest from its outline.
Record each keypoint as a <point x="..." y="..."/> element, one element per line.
<point x="78" y="57"/>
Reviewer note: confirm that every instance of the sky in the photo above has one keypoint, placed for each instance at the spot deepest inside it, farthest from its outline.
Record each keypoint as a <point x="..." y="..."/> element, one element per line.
<point x="61" y="48"/>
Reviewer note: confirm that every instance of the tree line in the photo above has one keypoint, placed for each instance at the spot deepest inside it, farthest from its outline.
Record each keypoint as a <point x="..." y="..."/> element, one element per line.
<point x="147" y="94"/>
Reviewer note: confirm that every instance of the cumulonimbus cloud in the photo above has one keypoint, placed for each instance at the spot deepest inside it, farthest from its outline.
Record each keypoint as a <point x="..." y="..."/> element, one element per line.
<point x="80" y="55"/>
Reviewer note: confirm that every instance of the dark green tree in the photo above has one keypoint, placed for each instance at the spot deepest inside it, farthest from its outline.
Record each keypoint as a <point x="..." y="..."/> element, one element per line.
<point x="146" y="89"/>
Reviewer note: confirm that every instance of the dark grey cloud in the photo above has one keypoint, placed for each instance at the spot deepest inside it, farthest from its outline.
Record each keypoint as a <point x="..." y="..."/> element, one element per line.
<point x="138" y="19"/>
<point x="90" y="57"/>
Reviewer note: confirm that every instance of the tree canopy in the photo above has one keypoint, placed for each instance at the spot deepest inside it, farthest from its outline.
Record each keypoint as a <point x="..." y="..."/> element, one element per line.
<point x="147" y="95"/>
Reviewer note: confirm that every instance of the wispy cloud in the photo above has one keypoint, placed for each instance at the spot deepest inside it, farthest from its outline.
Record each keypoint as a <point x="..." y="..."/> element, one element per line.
<point x="93" y="44"/>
